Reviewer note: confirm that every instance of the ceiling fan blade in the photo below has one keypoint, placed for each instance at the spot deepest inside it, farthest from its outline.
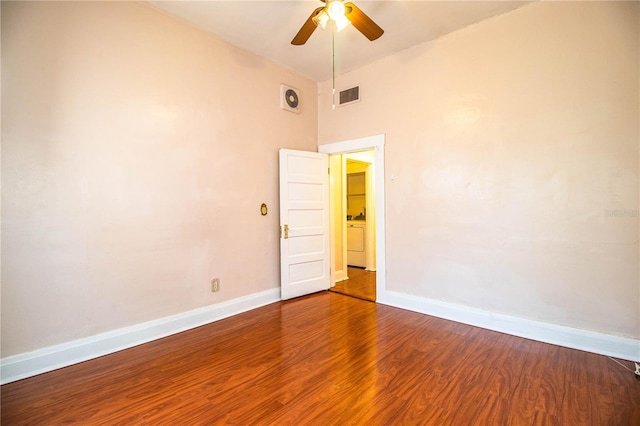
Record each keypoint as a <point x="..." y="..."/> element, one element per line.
<point x="306" y="30"/>
<point x="362" y="22"/>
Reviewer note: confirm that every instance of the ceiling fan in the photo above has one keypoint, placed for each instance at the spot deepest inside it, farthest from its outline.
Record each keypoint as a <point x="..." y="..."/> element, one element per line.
<point x="342" y="14"/>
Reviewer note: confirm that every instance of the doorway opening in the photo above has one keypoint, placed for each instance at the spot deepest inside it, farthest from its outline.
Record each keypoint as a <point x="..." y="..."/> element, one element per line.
<point x="352" y="195"/>
<point x="357" y="216"/>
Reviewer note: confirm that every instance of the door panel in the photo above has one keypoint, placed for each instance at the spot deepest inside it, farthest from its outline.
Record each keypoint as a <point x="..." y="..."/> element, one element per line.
<point x="304" y="223"/>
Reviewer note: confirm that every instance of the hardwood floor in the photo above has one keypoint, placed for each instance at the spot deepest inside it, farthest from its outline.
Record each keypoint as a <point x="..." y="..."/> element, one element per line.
<point x="360" y="284"/>
<point x="329" y="359"/>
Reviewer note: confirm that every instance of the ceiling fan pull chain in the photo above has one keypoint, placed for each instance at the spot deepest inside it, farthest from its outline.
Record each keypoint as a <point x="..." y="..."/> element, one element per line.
<point x="333" y="64"/>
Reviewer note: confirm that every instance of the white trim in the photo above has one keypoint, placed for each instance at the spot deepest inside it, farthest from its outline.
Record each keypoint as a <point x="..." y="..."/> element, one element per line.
<point x="47" y="359"/>
<point x="352" y="145"/>
<point x="599" y="343"/>
<point x="362" y="144"/>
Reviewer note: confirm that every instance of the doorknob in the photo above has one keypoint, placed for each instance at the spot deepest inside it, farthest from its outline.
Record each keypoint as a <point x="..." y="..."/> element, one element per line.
<point x="284" y="234"/>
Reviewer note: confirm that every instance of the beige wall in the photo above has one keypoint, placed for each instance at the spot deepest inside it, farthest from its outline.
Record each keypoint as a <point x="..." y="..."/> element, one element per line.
<point x="136" y="151"/>
<point x="133" y="169"/>
<point x="514" y="144"/>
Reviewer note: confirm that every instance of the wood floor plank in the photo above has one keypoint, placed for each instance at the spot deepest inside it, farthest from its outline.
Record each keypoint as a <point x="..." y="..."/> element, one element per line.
<point x="543" y="419"/>
<point x="331" y="359"/>
<point x="523" y="400"/>
<point x="361" y="284"/>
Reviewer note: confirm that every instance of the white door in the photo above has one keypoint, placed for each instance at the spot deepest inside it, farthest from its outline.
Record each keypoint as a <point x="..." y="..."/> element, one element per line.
<point x="304" y="223"/>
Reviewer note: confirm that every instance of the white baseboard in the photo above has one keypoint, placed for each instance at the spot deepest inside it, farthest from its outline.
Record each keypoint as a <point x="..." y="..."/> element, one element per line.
<point x="47" y="359"/>
<point x="599" y="343"/>
<point x="341" y="276"/>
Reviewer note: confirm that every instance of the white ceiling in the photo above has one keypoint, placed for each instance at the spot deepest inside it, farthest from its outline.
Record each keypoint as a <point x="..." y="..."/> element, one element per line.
<point x="266" y="28"/>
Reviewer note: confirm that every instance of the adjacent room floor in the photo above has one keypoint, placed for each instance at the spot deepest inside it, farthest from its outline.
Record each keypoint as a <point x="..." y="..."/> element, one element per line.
<point x="361" y="283"/>
<point x="329" y="359"/>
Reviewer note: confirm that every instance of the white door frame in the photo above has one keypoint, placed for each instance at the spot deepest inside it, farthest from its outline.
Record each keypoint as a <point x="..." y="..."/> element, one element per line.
<point x="337" y="190"/>
<point x="363" y="144"/>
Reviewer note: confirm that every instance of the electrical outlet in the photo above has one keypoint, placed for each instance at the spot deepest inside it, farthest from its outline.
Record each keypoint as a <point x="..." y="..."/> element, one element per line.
<point x="215" y="284"/>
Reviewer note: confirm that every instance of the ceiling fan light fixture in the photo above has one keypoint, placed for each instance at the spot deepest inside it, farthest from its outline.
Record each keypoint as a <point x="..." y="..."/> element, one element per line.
<point x="342" y="22"/>
<point x="336" y="10"/>
<point x="321" y="19"/>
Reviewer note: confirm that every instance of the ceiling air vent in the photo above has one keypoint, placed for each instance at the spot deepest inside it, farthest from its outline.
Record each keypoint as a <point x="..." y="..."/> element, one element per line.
<point x="349" y="96"/>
